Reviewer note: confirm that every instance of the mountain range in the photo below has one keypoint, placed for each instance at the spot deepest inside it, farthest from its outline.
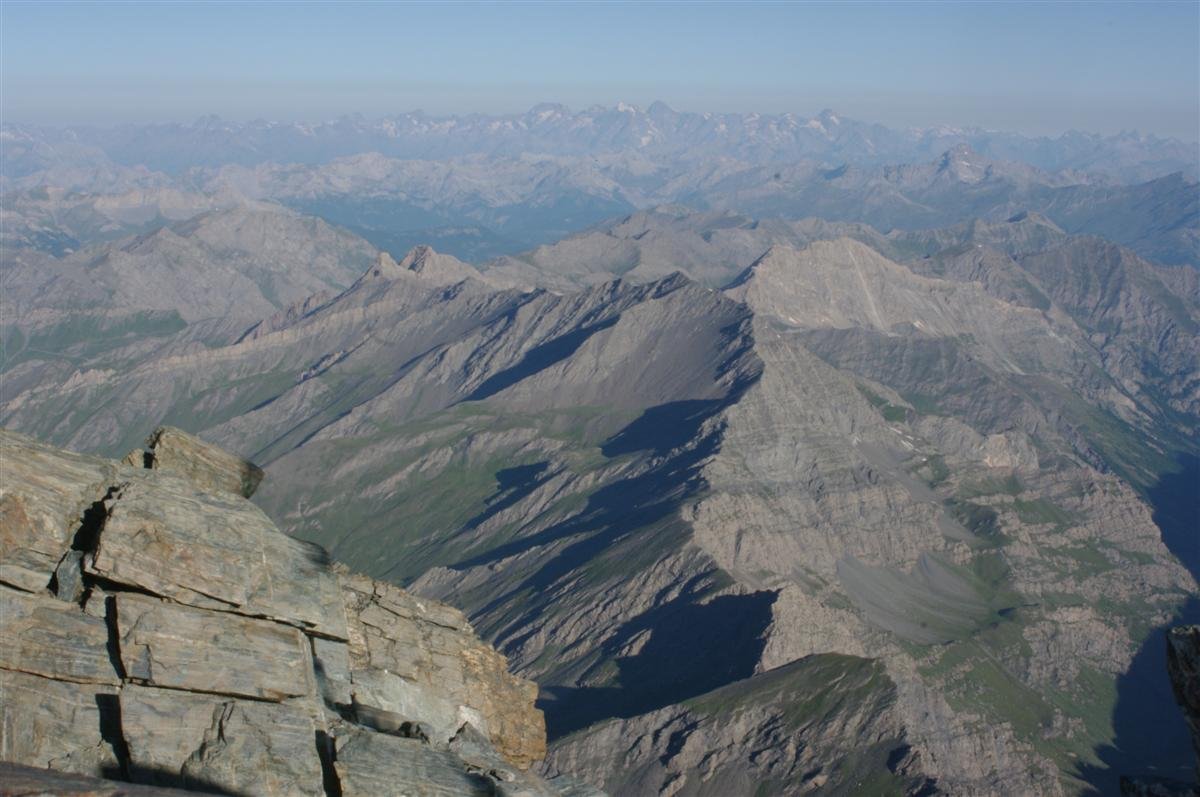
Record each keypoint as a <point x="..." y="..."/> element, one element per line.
<point x="479" y="207"/>
<point x="657" y="131"/>
<point x="784" y="454"/>
<point x="836" y="485"/>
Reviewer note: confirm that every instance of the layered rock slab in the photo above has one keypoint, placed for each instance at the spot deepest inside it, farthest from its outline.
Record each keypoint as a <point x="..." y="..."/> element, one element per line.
<point x="57" y="724"/>
<point x="44" y="496"/>
<point x="203" y="464"/>
<point x="178" y="647"/>
<point x="183" y="641"/>
<point x="167" y="536"/>
<point x="22" y="781"/>
<point x="44" y="636"/>
<point x="247" y="747"/>
<point x="370" y="764"/>
<point x="420" y="658"/>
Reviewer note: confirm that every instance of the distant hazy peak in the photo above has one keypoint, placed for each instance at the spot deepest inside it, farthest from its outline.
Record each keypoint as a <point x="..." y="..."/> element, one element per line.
<point x="1033" y="219"/>
<point x="964" y="164"/>
<point x="823" y="254"/>
<point x="438" y="268"/>
<point x="385" y="268"/>
<point x="550" y="129"/>
<point x="423" y="262"/>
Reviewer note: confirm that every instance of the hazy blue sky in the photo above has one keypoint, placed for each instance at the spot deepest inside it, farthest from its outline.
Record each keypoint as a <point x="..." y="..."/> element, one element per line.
<point x="1039" y="68"/>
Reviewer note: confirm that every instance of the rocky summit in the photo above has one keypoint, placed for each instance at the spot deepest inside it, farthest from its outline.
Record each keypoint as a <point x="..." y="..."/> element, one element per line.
<point x="156" y="628"/>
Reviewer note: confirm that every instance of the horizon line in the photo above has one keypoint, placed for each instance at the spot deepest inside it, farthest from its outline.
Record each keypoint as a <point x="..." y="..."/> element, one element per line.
<point x="619" y="106"/>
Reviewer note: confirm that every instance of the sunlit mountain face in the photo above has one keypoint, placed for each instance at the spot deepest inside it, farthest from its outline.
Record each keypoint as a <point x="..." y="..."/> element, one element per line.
<point x="604" y="448"/>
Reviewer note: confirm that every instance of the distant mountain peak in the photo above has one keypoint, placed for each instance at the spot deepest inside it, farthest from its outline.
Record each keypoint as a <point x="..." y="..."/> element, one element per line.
<point x="672" y="282"/>
<point x="964" y="163"/>
<point x="418" y="258"/>
<point x="829" y="117"/>
<point x="435" y="267"/>
<point x="1032" y="217"/>
<point x="385" y="268"/>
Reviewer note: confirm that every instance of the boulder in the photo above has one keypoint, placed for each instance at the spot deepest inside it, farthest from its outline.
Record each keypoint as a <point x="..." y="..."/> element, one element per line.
<point x="166" y="536"/>
<point x="208" y="467"/>
<point x="420" y="659"/>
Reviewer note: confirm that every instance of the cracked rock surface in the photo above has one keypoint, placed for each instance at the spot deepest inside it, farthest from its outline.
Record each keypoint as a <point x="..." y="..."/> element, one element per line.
<point x="156" y="628"/>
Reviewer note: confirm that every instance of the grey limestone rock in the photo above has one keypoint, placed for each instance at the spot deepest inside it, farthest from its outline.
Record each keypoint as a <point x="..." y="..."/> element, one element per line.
<point x="416" y="659"/>
<point x="208" y="651"/>
<point x="58" y="724"/>
<point x="204" y="464"/>
<point x="370" y="764"/>
<point x="17" y="780"/>
<point x="169" y="537"/>
<point x="241" y="746"/>
<point x="44" y="636"/>
<point x="181" y="647"/>
<point x="45" y="499"/>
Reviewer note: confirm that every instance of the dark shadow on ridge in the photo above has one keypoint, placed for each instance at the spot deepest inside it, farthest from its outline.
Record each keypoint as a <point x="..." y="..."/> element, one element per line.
<point x="513" y="485"/>
<point x="618" y="508"/>
<point x="663" y="428"/>
<point x="693" y="648"/>
<point x="689" y="647"/>
<point x="1152" y="739"/>
<point x="538" y="359"/>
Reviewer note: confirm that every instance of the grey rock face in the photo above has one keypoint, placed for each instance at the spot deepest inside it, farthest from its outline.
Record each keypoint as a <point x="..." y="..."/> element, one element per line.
<point x="201" y="463"/>
<point x="247" y="747"/>
<point x="212" y="652"/>
<point x="164" y="535"/>
<point x="17" y="780"/>
<point x="58" y="725"/>
<point x="44" y="636"/>
<point x="238" y="656"/>
<point x="40" y="516"/>
<point x="439" y="676"/>
<point x="373" y="763"/>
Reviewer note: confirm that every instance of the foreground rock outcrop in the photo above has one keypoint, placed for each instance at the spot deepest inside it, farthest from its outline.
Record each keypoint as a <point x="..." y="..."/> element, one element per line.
<point x="156" y="627"/>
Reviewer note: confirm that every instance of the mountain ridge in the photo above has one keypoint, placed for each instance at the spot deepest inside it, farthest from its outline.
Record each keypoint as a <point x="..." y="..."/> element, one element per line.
<point x="552" y="128"/>
<point x="592" y="473"/>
